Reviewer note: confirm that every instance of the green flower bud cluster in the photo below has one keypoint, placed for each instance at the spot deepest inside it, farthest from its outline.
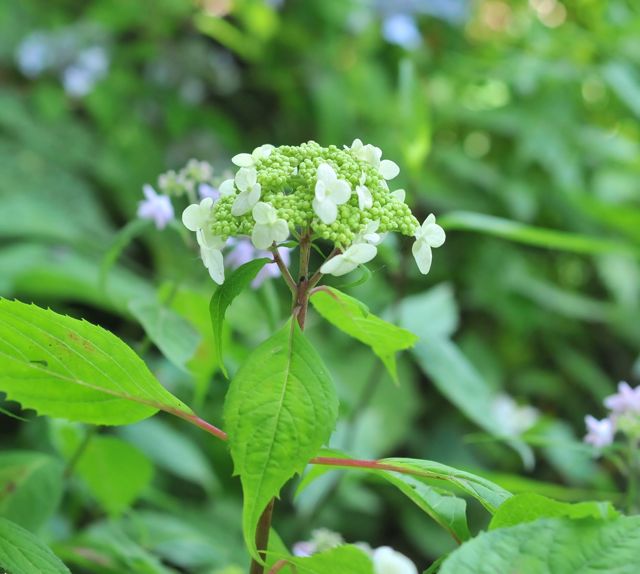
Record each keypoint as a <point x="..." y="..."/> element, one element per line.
<point x="287" y="179"/>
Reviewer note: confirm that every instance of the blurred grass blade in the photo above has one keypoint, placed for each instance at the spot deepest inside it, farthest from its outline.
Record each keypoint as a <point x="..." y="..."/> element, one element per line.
<point x="530" y="235"/>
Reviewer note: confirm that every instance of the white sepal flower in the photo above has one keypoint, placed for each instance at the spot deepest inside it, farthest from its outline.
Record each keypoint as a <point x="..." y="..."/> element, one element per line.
<point x="626" y="400"/>
<point x="389" y="169"/>
<point x="600" y="433"/>
<point x="329" y="193"/>
<point x="365" y="199"/>
<point x="227" y="187"/>
<point x="269" y="228"/>
<point x="387" y="561"/>
<point x="211" y="254"/>
<point x="251" y="159"/>
<point x="372" y="155"/>
<point x="369" y="153"/>
<point x="428" y="235"/>
<point x="198" y="215"/>
<point x="399" y="195"/>
<point x="357" y="254"/>
<point x="156" y="207"/>
<point x="370" y="234"/>
<point x="246" y="181"/>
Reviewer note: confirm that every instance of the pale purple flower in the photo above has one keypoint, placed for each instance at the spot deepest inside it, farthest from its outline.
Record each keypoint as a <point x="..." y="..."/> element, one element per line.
<point x="304" y="549"/>
<point x="600" y="433"/>
<point x="206" y="190"/>
<point x="626" y="400"/>
<point x="155" y="207"/>
<point x="402" y="30"/>
<point x="243" y="251"/>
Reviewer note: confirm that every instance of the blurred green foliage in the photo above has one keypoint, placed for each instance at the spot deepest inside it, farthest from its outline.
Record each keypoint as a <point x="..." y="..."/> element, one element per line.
<point x="524" y="111"/>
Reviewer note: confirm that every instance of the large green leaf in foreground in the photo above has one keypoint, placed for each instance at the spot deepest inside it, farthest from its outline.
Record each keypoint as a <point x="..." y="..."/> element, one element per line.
<point x="22" y="553"/>
<point x="348" y="315"/>
<point x="280" y="409"/>
<point x="66" y="368"/>
<point x="552" y="546"/>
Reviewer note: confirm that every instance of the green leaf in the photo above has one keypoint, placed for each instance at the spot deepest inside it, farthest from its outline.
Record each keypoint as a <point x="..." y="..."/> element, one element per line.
<point x="447" y="510"/>
<point x="115" y="472"/>
<point x="530" y="506"/>
<point x="490" y="495"/>
<point x="171" y="450"/>
<point x="347" y="314"/>
<point x="224" y="295"/>
<point x="529" y="235"/>
<point x="458" y="380"/>
<point x="123" y="238"/>
<point x="30" y="488"/>
<point x="22" y="553"/>
<point x="280" y="409"/>
<point x="552" y="546"/>
<point x="173" y="335"/>
<point x="66" y="368"/>
<point x="345" y="559"/>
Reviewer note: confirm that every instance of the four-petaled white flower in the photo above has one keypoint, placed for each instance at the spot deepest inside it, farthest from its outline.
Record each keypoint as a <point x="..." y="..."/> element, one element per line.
<point x="370" y="234"/>
<point x="365" y="199"/>
<point x="246" y="181"/>
<point x="626" y="400"/>
<point x="269" y="228"/>
<point x="357" y="254"/>
<point x="372" y="155"/>
<point x="387" y="561"/>
<point x="330" y="192"/>
<point x="600" y="433"/>
<point x="428" y="235"/>
<point x="211" y="254"/>
<point x="251" y="159"/>
<point x="156" y="207"/>
<point x="399" y="195"/>
<point x="198" y="217"/>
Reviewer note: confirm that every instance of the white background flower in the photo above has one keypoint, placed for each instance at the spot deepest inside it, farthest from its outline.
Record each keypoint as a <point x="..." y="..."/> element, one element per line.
<point x="330" y="192"/>
<point x="428" y="235"/>
<point x="156" y="207"/>
<point x="387" y="561"/>
<point x="357" y="254"/>
<point x="269" y="228"/>
<point x="246" y="181"/>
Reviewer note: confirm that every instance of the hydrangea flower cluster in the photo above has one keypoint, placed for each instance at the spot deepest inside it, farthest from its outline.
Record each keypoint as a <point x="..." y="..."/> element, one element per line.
<point x="77" y="54"/>
<point x="198" y="180"/>
<point x="385" y="559"/>
<point x="338" y="195"/>
<point x="624" y="416"/>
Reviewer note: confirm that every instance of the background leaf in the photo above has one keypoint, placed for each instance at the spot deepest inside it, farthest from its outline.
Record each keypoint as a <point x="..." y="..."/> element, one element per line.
<point x="30" y="487"/>
<point x="171" y="333"/>
<point x="115" y="472"/>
